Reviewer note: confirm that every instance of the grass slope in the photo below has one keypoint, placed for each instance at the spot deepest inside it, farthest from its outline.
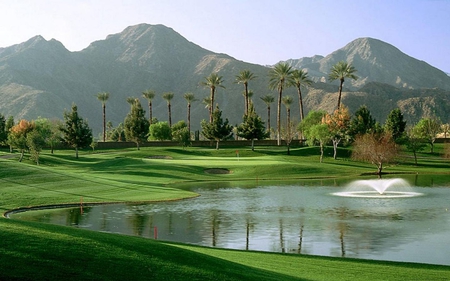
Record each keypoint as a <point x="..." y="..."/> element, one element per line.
<point x="31" y="251"/>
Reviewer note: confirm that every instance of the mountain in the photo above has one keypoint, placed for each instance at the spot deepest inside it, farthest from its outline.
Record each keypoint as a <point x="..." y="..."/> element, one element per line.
<point x="42" y="78"/>
<point x="377" y="61"/>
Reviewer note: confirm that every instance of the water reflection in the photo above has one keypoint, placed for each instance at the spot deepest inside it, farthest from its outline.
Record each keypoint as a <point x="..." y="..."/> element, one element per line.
<point x="296" y="218"/>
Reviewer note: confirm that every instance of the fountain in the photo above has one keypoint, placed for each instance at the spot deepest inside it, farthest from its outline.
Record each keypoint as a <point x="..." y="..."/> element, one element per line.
<point x="379" y="188"/>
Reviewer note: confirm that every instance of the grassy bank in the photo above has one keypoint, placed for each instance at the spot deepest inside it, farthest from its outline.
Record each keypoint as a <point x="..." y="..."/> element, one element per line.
<point x="41" y="252"/>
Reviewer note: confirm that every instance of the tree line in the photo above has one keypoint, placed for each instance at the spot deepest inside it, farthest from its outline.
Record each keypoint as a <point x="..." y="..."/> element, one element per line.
<point x="318" y="127"/>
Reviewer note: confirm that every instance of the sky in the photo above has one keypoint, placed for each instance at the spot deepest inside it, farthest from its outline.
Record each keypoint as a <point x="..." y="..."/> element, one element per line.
<point x="256" y="31"/>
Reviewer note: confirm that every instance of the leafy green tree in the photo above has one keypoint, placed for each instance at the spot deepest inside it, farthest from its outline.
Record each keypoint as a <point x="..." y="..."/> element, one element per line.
<point x="212" y="82"/>
<point x="429" y="128"/>
<point x="243" y="78"/>
<point x="17" y="137"/>
<point x="9" y="125"/>
<point x="268" y="99"/>
<point x="3" y="132"/>
<point x="35" y="143"/>
<point x="181" y="133"/>
<point x="252" y="127"/>
<point x="49" y="131"/>
<point x="321" y="134"/>
<point x="168" y="97"/>
<point x="313" y="118"/>
<point x="190" y="98"/>
<point x="362" y="122"/>
<point x="160" y="131"/>
<point x="396" y="125"/>
<point x="136" y="126"/>
<point x="76" y="131"/>
<point x="103" y="98"/>
<point x="340" y="71"/>
<point x="149" y="95"/>
<point x="415" y="141"/>
<point x="279" y="78"/>
<point x="300" y="78"/>
<point x="218" y="129"/>
<point x="338" y="124"/>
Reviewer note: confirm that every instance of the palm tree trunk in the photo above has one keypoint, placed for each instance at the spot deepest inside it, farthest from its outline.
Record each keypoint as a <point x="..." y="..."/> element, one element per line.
<point x="321" y="152"/>
<point x="340" y="93"/>
<point x="300" y="103"/>
<point x="76" y="152"/>
<point x="212" y="104"/>
<point x="104" y="122"/>
<point x="170" y="114"/>
<point x="189" y="118"/>
<point x="268" y="120"/>
<point x="253" y="144"/>
<point x="280" y="93"/>
<point x="150" y="112"/>
<point x="246" y="98"/>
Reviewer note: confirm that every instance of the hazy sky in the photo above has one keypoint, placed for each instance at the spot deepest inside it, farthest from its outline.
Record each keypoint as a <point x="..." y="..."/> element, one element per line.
<point x="256" y="31"/>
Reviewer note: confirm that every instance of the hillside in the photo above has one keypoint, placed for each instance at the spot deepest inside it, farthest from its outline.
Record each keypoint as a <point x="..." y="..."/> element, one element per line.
<point x="42" y="78"/>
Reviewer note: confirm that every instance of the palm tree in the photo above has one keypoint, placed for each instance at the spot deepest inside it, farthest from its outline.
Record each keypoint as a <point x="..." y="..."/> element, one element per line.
<point x="207" y="102"/>
<point x="168" y="97"/>
<point x="280" y="76"/>
<point x="212" y="81"/>
<point x="149" y="95"/>
<point x="341" y="70"/>
<point x="268" y="99"/>
<point x="287" y="101"/>
<point x="244" y="77"/>
<point x="103" y="97"/>
<point x="299" y="78"/>
<point x="190" y="98"/>
<point x="131" y="101"/>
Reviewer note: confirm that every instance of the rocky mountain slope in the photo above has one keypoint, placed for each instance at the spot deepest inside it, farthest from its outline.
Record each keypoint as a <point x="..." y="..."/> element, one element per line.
<point x="42" y="78"/>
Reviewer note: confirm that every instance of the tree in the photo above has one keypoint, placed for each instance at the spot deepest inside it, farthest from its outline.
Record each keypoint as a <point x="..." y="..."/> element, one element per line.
<point x="168" y="97"/>
<point x="160" y="131"/>
<point x="9" y="124"/>
<point x="445" y="128"/>
<point x="136" y="126"/>
<point x="212" y="82"/>
<point x="414" y="141"/>
<point x="375" y="148"/>
<point x="181" y="133"/>
<point x="429" y="128"/>
<point x="338" y="124"/>
<point x="362" y="122"/>
<point x="321" y="134"/>
<point x="299" y="78"/>
<point x="288" y="134"/>
<point x="131" y="101"/>
<point x="103" y="98"/>
<point x="313" y="118"/>
<point x="217" y="129"/>
<point x="17" y="137"/>
<point x="118" y="133"/>
<point x="149" y="95"/>
<point x="207" y="102"/>
<point x="280" y="77"/>
<point x="268" y="99"/>
<point x="76" y="131"/>
<point x="340" y="71"/>
<point x="49" y="131"/>
<point x="244" y="77"/>
<point x="252" y="127"/>
<point x="396" y="125"/>
<point x="287" y="101"/>
<point x="3" y="132"/>
<point x="35" y="143"/>
<point x="190" y="98"/>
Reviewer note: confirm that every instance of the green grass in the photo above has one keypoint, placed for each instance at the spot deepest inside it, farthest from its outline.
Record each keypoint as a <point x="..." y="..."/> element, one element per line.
<point x="37" y="251"/>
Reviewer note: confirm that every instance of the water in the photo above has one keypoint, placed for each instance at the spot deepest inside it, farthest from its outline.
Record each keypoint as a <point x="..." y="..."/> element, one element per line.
<point x="292" y="218"/>
<point x="378" y="188"/>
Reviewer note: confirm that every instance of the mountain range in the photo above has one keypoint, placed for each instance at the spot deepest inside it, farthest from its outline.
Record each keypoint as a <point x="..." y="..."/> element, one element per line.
<point x="41" y="78"/>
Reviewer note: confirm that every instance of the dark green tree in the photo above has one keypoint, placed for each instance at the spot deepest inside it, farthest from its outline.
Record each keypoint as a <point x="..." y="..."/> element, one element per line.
<point x="76" y="131"/>
<point x="299" y="79"/>
<point x="50" y="131"/>
<point x="362" y="122"/>
<point x="35" y="143"/>
<point x="168" y="97"/>
<point x="181" y="133"/>
<point x="396" y="125"/>
<point x="160" y="131"/>
<point x="9" y="125"/>
<point x="190" y="98"/>
<point x="217" y="129"/>
<point x="340" y="71"/>
<point x="252" y="127"/>
<point x="3" y="132"/>
<point x="149" y="95"/>
<point x="268" y="99"/>
<point x="136" y="126"/>
<point x="280" y="78"/>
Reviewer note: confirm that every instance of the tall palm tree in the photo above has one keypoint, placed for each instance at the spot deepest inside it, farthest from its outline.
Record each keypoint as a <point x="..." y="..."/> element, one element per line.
<point x="131" y="101"/>
<point x="168" y="97"/>
<point x="280" y="77"/>
<point x="341" y="70"/>
<point x="244" y="77"/>
<point x="207" y="102"/>
<point x="149" y="95"/>
<point x="103" y="97"/>
<point x="299" y="78"/>
<point x="287" y="101"/>
<point x="268" y="99"/>
<point x="212" y="81"/>
<point x="190" y="98"/>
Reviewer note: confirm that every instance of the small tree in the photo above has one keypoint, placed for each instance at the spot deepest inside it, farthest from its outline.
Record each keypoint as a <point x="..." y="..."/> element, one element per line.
<point x="362" y="122"/>
<point x="396" y="125"/>
<point x="313" y="118"/>
<point x="376" y="148"/>
<point x="136" y="126"/>
<point x="181" y="133"/>
<point x="3" y="132"/>
<point x="321" y="134"/>
<point x="338" y="123"/>
<point x="288" y="134"/>
<point x="9" y="124"/>
<point x="17" y="137"/>
<point x="414" y="141"/>
<point x="103" y="98"/>
<point x="252" y="127"/>
<point x="217" y="129"/>
<point x="76" y="131"/>
<point x="168" y="97"/>
<point x="160" y="131"/>
<point x="35" y="143"/>
<point x="428" y="129"/>
<point x="268" y="99"/>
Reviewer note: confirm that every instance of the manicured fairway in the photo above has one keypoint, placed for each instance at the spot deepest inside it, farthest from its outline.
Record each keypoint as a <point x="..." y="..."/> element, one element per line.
<point x="46" y="252"/>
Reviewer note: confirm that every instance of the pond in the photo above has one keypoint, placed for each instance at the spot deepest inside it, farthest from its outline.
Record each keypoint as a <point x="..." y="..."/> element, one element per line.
<point x="291" y="217"/>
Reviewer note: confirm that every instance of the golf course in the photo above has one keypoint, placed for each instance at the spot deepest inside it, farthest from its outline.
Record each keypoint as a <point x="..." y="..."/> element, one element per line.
<point x="40" y="251"/>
